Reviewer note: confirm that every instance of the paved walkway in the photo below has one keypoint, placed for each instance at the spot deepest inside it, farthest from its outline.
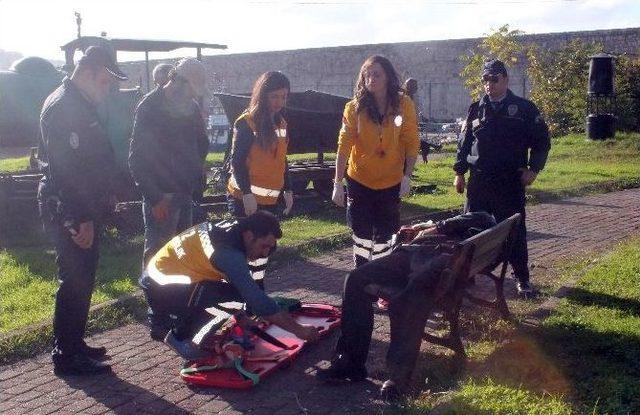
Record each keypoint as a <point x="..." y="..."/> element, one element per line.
<point x="145" y="376"/>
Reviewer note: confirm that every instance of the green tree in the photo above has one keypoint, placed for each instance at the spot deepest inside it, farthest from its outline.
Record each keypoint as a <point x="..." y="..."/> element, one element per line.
<point x="502" y="44"/>
<point x="559" y="84"/>
<point x="627" y="87"/>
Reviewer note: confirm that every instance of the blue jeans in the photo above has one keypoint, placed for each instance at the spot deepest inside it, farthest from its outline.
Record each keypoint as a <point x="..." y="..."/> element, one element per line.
<point x="157" y="233"/>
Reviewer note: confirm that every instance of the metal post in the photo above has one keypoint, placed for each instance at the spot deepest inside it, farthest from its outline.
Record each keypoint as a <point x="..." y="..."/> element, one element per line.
<point x="146" y="65"/>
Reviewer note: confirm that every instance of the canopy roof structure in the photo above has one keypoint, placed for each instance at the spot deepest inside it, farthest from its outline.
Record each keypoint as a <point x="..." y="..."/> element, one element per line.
<point x="137" y="45"/>
<point x="132" y="45"/>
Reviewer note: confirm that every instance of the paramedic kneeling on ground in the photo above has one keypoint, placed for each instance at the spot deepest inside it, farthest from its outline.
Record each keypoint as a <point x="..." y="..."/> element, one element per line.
<point x="207" y="265"/>
<point x="413" y="270"/>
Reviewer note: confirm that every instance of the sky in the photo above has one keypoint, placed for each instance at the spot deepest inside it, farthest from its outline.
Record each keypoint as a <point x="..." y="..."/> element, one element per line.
<point x="39" y="28"/>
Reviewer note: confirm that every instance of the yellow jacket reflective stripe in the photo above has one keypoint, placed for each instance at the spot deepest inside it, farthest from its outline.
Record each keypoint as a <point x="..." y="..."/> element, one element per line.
<point x="266" y="167"/>
<point x="185" y="259"/>
<point x="377" y="153"/>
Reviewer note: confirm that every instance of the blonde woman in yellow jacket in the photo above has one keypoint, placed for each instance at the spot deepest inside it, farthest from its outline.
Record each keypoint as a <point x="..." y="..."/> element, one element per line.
<point x="377" y="146"/>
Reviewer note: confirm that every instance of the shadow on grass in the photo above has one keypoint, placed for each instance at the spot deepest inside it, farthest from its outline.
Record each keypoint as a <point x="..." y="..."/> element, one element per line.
<point x="588" y="298"/>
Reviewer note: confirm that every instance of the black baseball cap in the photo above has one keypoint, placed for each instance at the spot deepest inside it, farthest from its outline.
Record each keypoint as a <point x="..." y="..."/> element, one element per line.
<point x="98" y="56"/>
<point x="494" y="67"/>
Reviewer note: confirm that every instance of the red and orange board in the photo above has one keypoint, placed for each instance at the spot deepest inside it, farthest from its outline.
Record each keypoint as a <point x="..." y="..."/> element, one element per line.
<point x="266" y="358"/>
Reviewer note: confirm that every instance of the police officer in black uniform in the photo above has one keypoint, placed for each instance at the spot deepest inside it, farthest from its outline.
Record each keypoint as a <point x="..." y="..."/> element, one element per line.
<point x="75" y="195"/>
<point x="504" y="144"/>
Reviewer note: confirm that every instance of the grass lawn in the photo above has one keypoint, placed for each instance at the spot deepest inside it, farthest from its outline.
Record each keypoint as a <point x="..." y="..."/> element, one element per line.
<point x="14" y="164"/>
<point x="582" y="359"/>
<point x="575" y="166"/>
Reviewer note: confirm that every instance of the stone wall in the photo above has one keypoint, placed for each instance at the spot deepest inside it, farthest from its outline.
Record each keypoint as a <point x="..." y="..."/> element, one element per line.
<point x="435" y="64"/>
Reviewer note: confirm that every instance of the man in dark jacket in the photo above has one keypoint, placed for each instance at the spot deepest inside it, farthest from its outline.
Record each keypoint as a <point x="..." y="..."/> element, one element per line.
<point x="414" y="271"/>
<point x="75" y="195"/>
<point x="505" y="143"/>
<point x="167" y="153"/>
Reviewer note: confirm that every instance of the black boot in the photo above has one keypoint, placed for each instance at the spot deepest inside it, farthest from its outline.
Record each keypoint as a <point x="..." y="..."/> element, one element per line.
<point x="342" y="369"/>
<point x="93" y="352"/>
<point x="78" y="364"/>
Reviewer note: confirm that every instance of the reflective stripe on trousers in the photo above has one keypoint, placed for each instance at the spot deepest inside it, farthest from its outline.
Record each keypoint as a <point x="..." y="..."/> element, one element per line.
<point x="369" y="250"/>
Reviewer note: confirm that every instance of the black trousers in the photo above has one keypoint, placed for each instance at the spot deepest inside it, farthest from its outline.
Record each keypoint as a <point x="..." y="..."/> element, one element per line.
<point x="502" y="195"/>
<point x="374" y="217"/>
<point x="77" y="276"/>
<point x="408" y="315"/>
<point x="187" y="303"/>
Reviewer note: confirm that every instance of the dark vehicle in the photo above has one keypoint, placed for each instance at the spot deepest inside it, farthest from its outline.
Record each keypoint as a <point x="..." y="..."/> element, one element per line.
<point x="23" y="89"/>
<point x="313" y="121"/>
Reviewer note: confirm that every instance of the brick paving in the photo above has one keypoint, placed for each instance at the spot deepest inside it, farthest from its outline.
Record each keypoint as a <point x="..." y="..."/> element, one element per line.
<point x="145" y="378"/>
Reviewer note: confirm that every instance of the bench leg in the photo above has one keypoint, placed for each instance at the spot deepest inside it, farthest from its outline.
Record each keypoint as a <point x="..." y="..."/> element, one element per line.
<point x="501" y="303"/>
<point x="452" y="340"/>
<point x="454" y="331"/>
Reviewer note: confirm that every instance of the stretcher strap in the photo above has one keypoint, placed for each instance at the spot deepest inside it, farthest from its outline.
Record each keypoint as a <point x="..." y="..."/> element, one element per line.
<point x="237" y="364"/>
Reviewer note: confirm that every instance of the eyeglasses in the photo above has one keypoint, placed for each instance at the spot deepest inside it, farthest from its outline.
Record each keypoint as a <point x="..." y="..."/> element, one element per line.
<point x="490" y="78"/>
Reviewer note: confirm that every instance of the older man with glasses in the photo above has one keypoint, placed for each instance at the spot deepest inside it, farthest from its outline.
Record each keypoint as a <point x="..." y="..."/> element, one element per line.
<point x="504" y="145"/>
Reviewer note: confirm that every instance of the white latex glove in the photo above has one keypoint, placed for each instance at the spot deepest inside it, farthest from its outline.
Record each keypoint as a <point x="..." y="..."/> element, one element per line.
<point x="288" y="202"/>
<point x="405" y="186"/>
<point x="338" y="194"/>
<point x="250" y="204"/>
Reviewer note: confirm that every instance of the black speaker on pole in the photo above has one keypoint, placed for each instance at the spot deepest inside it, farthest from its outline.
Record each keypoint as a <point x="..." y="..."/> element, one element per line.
<point x="601" y="98"/>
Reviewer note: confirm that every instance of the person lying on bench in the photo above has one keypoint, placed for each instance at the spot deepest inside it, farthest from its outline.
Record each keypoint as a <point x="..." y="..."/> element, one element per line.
<point x="408" y="278"/>
<point x="204" y="266"/>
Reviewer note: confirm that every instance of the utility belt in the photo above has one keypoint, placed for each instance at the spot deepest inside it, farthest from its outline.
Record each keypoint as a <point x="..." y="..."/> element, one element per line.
<point x="499" y="177"/>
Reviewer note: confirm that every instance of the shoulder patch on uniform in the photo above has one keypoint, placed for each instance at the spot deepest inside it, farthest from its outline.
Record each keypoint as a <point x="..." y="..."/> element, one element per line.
<point x="74" y="140"/>
<point x="512" y="110"/>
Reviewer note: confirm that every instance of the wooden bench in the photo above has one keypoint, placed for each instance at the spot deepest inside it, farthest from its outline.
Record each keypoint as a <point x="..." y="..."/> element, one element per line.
<point x="479" y="255"/>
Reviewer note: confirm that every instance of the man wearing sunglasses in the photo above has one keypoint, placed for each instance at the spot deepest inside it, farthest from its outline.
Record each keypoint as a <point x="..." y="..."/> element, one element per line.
<point x="206" y="266"/>
<point x="504" y="145"/>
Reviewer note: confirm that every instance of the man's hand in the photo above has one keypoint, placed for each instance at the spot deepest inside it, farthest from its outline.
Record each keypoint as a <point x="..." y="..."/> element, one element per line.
<point x="250" y="204"/>
<point x="527" y="176"/>
<point x="459" y="183"/>
<point x="338" y="193"/>
<point x="288" y="202"/>
<point x="84" y="237"/>
<point x="160" y="210"/>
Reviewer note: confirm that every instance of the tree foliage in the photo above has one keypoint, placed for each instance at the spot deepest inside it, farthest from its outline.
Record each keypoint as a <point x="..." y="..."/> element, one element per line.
<point x="501" y="44"/>
<point x="627" y="86"/>
<point x="559" y="81"/>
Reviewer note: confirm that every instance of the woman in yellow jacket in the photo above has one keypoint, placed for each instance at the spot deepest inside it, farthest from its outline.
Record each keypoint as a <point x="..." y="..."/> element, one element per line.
<point x="379" y="142"/>
<point x="259" y="171"/>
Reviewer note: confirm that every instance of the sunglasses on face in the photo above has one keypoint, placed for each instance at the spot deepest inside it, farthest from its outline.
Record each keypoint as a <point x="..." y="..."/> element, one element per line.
<point x="490" y="78"/>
